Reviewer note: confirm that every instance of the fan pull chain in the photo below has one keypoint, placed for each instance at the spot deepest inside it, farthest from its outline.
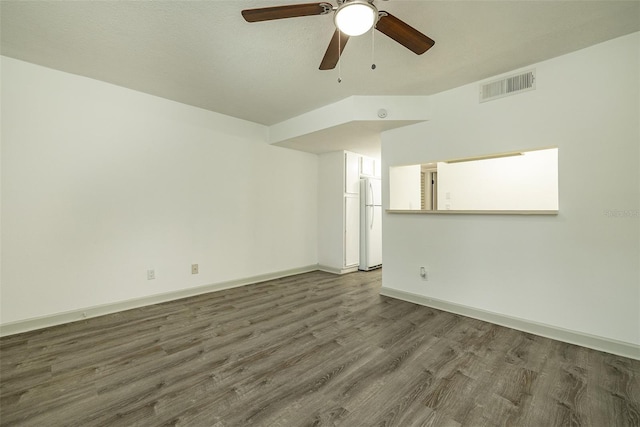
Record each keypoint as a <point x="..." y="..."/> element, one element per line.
<point x="339" y="56"/>
<point x="373" y="49"/>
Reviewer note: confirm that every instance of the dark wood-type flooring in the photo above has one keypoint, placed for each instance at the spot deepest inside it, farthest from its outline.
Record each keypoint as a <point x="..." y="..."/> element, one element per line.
<point x="310" y="350"/>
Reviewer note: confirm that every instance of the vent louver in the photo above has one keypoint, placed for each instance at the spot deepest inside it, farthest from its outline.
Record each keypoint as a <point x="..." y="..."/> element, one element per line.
<point x="509" y="85"/>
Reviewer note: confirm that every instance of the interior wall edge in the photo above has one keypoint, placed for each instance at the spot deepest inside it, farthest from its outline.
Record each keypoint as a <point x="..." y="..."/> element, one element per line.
<point x="607" y="345"/>
<point x="32" y="324"/>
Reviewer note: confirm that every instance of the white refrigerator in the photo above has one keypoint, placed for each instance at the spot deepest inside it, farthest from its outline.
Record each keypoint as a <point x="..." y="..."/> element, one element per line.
<point x="370" y="223"/>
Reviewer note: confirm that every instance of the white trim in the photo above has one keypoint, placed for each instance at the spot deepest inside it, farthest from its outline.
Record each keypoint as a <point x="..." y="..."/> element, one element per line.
<point x="100" y="310"/>
<point x="334" y="270"/>
<point x="595" y="342"/>
<point x="470" y="212"/>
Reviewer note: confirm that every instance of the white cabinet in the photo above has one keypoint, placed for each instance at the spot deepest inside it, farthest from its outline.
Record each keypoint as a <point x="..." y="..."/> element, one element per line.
<point x="351" y="231"/>
<point x="368" y="166"/>
<point x="351" y="173"/>
<point x="351" y="209"/>
<point x="378" y="168"/>
<point x="339" y="209"/>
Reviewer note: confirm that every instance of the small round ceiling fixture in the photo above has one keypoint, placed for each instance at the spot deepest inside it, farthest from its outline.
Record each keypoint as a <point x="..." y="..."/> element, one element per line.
<point x="355" y="17"/>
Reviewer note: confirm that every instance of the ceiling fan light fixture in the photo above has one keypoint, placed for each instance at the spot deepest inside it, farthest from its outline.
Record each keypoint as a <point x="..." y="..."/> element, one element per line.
<point x="355" y="17"/>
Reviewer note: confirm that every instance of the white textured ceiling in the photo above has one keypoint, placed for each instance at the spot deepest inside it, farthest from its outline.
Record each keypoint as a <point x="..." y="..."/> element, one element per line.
<point x="204" y="54"/>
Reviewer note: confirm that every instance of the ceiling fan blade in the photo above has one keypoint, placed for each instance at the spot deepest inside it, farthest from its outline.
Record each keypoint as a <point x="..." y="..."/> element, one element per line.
<point x="403" y="33"/>
<point x="332" y="55"/>
<point x="288" y="11"/>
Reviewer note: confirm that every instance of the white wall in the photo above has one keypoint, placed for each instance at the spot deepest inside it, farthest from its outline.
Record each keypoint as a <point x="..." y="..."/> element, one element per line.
<point x="404" y="182"/>
<point x="579" y="270"/>
<point x="525" y="182"/>
<point x="100" y="183"/>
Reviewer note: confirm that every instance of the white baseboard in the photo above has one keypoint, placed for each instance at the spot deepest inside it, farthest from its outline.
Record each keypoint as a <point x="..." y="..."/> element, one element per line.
<point x="100" y="310"/>
<point x="334" y="270"/>
<point x="608" y="345"/>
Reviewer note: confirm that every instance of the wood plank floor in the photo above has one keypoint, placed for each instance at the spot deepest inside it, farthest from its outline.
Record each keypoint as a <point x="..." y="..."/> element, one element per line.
<point x="310" y="350"/>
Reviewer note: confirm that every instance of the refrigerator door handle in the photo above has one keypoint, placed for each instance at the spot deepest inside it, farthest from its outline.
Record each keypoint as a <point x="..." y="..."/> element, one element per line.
<point x="373" y="202"/>
<point x="373" y="215"/>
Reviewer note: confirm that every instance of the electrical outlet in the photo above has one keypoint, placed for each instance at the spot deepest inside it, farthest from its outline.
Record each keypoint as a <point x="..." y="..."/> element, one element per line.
<point x="423" y="273"/>
<point x="194" y="268"/>
<point x="151" y="274"/>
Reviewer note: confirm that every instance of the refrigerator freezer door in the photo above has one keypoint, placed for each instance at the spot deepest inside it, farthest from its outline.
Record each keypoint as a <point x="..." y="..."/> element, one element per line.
<point x="373" y="192"/>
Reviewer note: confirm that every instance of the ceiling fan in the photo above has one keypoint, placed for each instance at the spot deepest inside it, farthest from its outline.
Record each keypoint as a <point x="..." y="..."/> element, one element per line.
<point x="351" y="18"/>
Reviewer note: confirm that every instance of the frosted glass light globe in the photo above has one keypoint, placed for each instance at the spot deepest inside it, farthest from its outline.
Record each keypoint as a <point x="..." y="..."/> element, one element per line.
<point x="355" y="17"/>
